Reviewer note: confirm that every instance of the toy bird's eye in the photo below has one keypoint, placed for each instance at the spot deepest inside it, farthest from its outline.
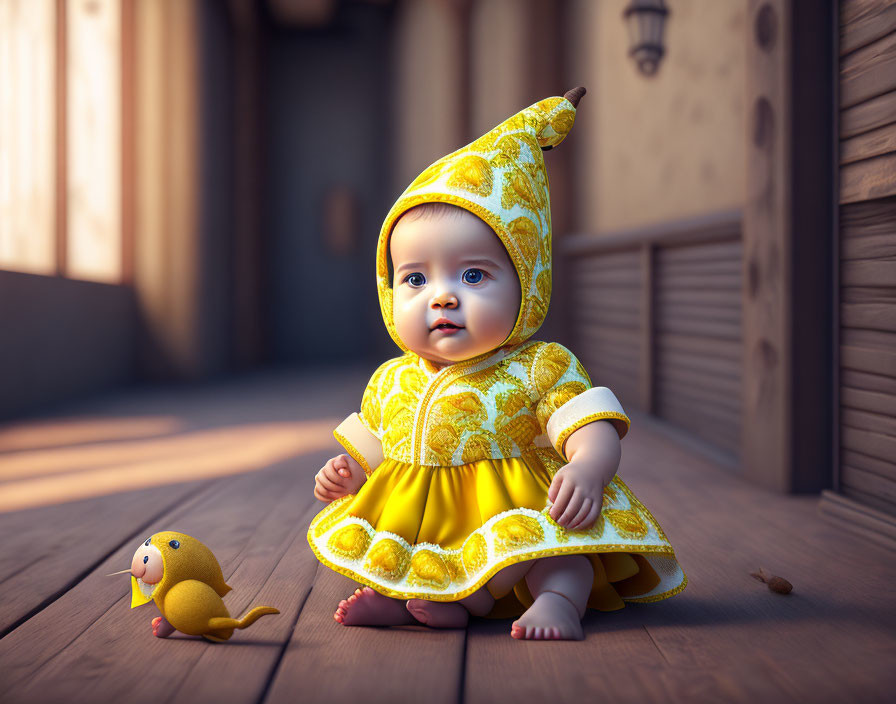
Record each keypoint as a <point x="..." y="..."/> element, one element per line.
<point x="174" y="543"/>
<point x="145" y="559"/>
<point x="147" y="542"/>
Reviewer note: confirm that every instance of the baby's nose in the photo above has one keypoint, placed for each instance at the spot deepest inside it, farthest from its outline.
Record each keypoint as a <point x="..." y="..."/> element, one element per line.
<point x="444" y="300"/>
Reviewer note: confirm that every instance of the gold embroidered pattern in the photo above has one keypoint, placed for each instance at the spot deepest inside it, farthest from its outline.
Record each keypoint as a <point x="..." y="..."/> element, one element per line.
<point x="627" y="523"/>
<point x="473" y="174"/>
<point x="488" y="408"/>
<point x="401" y="570"/>
<point x="351" y="541"/>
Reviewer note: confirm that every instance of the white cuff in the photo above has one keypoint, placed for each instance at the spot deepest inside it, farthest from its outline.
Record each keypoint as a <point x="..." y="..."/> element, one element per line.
<point x="364" y="447"/>
<point x="597" y="403"/>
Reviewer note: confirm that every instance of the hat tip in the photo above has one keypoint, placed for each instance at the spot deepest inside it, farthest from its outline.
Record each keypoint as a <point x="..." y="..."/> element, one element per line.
<point x="575" y="95"/>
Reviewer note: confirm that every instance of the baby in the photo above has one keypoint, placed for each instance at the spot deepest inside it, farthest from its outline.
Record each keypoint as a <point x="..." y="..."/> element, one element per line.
<point x="480" y="475"/>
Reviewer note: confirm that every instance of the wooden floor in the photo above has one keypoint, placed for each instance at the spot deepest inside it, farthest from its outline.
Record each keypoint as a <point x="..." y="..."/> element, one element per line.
<point x="68" y="634"/>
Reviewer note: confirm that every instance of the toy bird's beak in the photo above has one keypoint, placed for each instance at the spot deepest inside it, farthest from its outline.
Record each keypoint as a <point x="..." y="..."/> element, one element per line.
<point x="138" y="597"/>
<point x="122" y="572"/>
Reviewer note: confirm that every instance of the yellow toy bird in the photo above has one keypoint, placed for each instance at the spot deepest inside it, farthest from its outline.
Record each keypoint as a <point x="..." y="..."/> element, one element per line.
<point x="185" y="580"/>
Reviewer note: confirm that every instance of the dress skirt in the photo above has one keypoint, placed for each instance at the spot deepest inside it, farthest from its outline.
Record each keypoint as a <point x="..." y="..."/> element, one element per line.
<point x="440" y="533"/>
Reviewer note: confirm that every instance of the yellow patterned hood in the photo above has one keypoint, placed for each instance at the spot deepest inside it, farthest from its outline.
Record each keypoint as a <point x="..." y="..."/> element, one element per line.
<point x="501" y="178"/>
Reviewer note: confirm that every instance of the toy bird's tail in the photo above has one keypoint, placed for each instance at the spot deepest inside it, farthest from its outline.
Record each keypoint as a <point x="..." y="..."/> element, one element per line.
<point x="217" y="624"/>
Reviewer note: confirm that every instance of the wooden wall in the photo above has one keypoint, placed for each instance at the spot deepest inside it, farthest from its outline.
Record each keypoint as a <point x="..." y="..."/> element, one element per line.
<point x="657" y="318"/>
<point x="868" y="353"/>
<point x="864" y="496"/>
<point x="698" y="340"/>
<point x="867" y="253"/>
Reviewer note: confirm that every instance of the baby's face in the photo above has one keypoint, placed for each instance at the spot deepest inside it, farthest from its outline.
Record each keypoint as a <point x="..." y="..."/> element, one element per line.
<point x="456" y="292"/>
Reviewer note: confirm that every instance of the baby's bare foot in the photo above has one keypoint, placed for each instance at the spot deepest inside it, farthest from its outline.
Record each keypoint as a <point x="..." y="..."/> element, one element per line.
<point x="439" y="614"/>
<point x="551" y="617"/>
<point x="369" y="608"/>
<point x="161" y="628"/>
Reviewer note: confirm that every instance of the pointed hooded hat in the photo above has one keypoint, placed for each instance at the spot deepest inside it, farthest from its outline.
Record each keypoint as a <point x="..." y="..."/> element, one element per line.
<point x="500" y="178"/>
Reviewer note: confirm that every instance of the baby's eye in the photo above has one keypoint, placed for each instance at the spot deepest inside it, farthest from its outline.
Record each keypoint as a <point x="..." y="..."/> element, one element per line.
<point x="472" y="276"/>
<point x="416" y="279"/>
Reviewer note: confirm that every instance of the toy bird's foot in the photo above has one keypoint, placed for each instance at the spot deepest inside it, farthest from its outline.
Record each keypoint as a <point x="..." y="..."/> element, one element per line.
<point x="369" y="608"/>
<point x="439" y="614"/>
<point x="161" y="628"/>
<point x="551" y="617"/>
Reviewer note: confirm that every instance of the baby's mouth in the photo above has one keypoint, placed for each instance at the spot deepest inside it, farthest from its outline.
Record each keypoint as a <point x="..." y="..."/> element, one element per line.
<point x="445" y="325"/>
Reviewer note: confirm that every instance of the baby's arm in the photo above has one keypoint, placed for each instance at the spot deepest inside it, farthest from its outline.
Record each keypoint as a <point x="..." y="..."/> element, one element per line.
<point x="577" y="490"/>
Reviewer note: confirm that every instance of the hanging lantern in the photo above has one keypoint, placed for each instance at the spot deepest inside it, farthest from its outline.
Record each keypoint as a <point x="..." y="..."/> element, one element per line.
<point x="646" y="20"/>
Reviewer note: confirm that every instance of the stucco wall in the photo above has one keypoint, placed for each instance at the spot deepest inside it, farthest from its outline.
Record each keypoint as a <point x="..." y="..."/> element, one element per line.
<point x="661" y="148"/>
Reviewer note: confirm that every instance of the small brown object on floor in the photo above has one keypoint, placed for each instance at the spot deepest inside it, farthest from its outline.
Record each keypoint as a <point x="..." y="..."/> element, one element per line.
<point x="776" y="584"/>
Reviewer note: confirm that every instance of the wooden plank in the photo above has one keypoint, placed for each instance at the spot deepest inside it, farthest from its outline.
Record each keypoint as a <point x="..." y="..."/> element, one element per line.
<point x="873" y="527"/>
<point x="709" y="252"/>
<point x="716" y="329"/>
<point x="870" y="144"/>
<point x="872" y="401"/>
<point x="387" y="665"/>
<point x="881" y="273"/>
<point x="868" y="218"/>
<point x="864" y="21"/>
<point x="722" y="226"/>
<point x="691" y="402"/>
<point x="707" y="362"/>
<point x="883" y="488"/>
<point x="724" y="349"/>
<point x="875" y="422"/>
<point x="869" y="464"/>
<point x="870" y="500"/>
<point x="615" y="278"/>
<point x="706" y="310"/>
<point x="874" y="444"/>
<point x="876" y="316"/>
<point x="730" y="267"/>
<point x="702" y="282"/>
<point x="727" y="408"/>
<point x="608" y="298"/>
<point x="605" y="262"/>
<point x="49" y="654"/>
<point x="868" y="179"/>
<point x="728" y="299"/>
<point x="872" y="339"/>
<point x="609" y="316"/>
<point x="869" y="247"/>
<point x="47" y="551"/>
<point x="869" y="71"/>
<point x="623" y="338"/>
<point x="869" y="294"/>
<point x="874" y="361"/>
<point x="867" y="116"/>
<point x="868" y="382"/>
<point x="713" y="384"/>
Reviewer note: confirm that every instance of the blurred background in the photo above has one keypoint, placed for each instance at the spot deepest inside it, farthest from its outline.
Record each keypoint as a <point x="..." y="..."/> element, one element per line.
<point x="191" y="191"/>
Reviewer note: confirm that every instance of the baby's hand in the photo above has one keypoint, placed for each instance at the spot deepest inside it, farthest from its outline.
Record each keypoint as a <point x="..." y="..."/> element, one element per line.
<point x="339" y="476"/>
<point x="577" y="490"/>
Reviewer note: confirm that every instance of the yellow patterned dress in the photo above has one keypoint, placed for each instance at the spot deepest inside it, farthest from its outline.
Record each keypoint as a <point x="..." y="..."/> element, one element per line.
<point x="469" y="452"/>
